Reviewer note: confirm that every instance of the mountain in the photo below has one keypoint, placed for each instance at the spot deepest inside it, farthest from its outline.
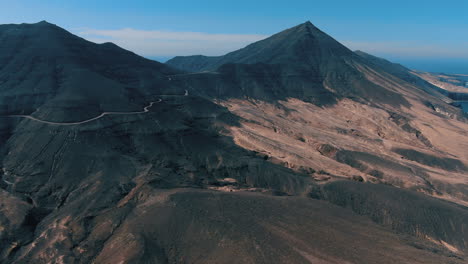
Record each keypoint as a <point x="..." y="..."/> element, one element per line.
<point x="301" y="46"/>
<point x="301" y="62"/>
<point x="394" y="68"/>
<point x="294" y="149"/>
<point x="448" y="88"/>
<point x="370" y="119"/>
<point x="49" y="73"/>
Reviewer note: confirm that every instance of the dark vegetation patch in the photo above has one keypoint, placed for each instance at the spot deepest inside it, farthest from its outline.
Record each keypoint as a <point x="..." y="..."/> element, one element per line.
<point x="358" y="178"/>
<point x="430" y="160"/>
<point x="408" y="128"/>
<point x="456" y="190"/>
<point x="403" y="122"/>
<point x="327" y="150"/>
<point x="376" y="173"/>
<point x="355" y="159"/>
<point x="349" y="158"/>
<point x="306" y="170"/>
<point x="365" y="162"/>
<point x="402" y="210"/>
<point x="368" y="163"/>
<point x="324" y="172"/>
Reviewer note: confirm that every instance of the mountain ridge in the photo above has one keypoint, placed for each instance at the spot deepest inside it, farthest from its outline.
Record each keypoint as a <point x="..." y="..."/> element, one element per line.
<point x="300" y="62"/>
<point x="270" y="50"/>
<point x="269" y="159"/>
<point x="68" y="77"/>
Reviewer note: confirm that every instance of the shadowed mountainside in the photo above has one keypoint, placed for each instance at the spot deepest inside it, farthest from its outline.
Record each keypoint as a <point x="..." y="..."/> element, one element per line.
<point x="304" y="46"/>
<point x="49" y="73"/>
<point x="367" y="106"/>
<point x="251" y="163"/>
<point x="301" y="62"/>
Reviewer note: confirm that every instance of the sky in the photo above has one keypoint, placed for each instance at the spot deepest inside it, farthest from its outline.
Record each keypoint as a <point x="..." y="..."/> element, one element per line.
<point x="429" y="35"/>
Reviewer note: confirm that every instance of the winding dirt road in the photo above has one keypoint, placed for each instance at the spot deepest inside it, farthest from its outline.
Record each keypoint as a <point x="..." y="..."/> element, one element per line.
<point x="170" y="77"/>
<point x="145" y="110"/>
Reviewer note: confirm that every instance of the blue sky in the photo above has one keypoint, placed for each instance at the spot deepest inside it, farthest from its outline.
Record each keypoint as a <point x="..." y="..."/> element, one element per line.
<point x="409" y="30"/>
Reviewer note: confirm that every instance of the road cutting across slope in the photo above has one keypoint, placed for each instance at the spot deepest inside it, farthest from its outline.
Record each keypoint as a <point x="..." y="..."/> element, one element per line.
<point x="145" y="110"/>
<point x="170" y="77"/>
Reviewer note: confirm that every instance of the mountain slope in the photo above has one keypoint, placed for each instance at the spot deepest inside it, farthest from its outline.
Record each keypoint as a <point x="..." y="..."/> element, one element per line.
<point x="303" y="45"/>
<point x="453" y="86"/>
<point x="369" y="112"/>
<point x="395" y="69"/>
<point x="54" y="75"/>
<point x="301" y="62"/>
<point x="314" y="158"/>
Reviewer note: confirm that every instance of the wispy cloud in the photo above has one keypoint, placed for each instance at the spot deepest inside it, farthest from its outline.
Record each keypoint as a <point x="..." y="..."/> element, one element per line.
<point x="167" y="43"/>
<point x="410" y="49"/>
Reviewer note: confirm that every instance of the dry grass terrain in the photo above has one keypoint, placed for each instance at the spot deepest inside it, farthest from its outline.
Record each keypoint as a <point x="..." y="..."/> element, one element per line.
<point x="415" y="147"/>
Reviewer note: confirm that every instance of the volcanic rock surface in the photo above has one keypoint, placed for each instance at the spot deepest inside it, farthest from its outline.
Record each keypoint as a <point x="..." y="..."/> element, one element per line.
<point x="294" y="149"/>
